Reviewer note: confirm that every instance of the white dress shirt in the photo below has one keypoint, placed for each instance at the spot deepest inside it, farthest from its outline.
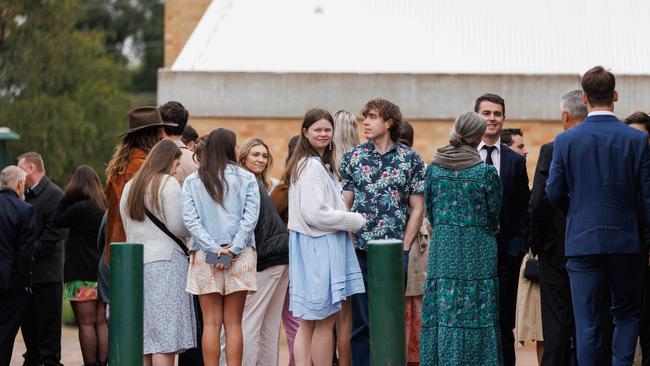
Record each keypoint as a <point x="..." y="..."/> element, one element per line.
<point x="496" y="154"/>
<point x="601" y="113"/>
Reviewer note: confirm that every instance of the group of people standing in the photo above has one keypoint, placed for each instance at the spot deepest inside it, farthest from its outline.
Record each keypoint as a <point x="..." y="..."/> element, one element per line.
<point x="230" y="253"/>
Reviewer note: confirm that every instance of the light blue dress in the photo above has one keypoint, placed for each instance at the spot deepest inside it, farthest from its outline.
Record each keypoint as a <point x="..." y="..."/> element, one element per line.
<point x="323" y="271"/>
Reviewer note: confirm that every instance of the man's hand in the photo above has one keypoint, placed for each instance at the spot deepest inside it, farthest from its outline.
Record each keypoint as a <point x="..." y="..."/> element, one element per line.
<point x="416" y="203"/>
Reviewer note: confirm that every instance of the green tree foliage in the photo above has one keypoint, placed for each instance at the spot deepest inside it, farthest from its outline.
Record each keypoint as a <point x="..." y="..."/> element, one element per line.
<point x="133" y="27"/>
<point x="59" y="89"/>
<point x="146" y="76"/>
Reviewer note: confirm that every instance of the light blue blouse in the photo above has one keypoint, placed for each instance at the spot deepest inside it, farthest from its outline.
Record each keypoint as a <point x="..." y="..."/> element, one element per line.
<point x="213" y="225"/>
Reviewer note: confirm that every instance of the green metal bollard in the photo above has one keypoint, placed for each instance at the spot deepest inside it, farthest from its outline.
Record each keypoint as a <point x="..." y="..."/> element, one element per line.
<point x="386" y="303"/>
<point x="126" y="308"/>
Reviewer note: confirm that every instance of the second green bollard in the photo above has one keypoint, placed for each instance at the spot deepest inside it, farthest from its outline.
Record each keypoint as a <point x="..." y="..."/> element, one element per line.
<point x="126" y="308"/>
<point x="386" y="303"/>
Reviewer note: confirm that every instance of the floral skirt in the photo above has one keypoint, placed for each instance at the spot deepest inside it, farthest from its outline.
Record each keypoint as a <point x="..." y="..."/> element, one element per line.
<point x="460" y="323"/>
<point x="80" y="291"/>
<point x="168" y="317"/>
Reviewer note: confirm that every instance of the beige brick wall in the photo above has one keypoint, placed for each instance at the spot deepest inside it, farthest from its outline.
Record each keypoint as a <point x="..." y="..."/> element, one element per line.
<point x="429" y="135"/>
<point x="181" y="17"/>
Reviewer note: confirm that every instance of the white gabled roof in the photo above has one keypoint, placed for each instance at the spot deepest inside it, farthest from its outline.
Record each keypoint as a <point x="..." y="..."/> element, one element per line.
<point x="560" y="37"/>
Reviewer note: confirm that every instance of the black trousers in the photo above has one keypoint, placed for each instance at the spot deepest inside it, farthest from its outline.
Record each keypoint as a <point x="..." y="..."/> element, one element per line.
<point x="557" y="313"/>
<point x="508" y="271"/>
<point x="12" y="304"/>
<point x="194" y="356"/>
<point x="360" y="341"/>
<point x="644" y="330"/>
<point x="41" y="325"/>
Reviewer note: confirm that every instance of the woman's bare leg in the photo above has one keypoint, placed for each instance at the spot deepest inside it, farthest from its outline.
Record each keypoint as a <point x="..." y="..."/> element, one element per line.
<point x="322" y="341"/>
<point x="540" y="351"/>
<point x="163" y="359"/>
<point x="233" y="309"/>
<point x="344" y="333"/>
<point x="212" y="310"/>
<point x="302" y="343"/>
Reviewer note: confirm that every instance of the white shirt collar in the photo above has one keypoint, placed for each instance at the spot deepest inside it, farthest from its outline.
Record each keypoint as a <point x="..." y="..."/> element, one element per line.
<point x="35" y="184"/>
<point x="601" y="113"/>
<point x="497" y="145"/>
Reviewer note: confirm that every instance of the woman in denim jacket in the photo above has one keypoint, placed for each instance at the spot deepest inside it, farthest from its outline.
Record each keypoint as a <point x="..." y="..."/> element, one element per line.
<point x="220" y="209"/>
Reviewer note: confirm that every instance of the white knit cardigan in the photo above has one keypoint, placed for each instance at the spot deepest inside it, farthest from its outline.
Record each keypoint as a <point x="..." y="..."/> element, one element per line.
<point x="157" y="245"/>
<point x="316" y="206"/>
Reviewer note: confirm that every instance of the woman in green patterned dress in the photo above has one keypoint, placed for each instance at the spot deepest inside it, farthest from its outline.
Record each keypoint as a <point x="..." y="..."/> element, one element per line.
<point x="460" y="322"/>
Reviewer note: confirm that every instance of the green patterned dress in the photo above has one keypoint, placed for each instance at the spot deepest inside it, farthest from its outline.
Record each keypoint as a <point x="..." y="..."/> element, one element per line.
<point x="460" y="321"/>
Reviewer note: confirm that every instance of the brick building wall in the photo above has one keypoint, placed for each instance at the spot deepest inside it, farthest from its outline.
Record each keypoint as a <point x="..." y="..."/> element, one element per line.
<point x="429" y="135"/>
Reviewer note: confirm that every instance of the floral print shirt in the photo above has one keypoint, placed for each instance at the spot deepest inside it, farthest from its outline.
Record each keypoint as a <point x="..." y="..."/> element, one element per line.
<point x="381" y="185"/>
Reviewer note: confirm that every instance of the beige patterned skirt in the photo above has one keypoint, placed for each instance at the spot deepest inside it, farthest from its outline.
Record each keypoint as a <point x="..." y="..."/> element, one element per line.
<point x="204" y="278"/>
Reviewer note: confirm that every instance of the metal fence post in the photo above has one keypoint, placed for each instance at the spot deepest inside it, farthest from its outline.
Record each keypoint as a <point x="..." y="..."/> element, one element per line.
<point x="386" y="302"/>
<point x="126" y="308"/>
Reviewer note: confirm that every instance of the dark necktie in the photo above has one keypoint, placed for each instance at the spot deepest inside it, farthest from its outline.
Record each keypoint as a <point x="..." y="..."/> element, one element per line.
<point x="488" y="158"/>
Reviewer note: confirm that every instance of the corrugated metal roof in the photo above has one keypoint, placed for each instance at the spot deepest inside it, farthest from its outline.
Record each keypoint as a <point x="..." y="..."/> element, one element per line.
<point x="421" y="36"/>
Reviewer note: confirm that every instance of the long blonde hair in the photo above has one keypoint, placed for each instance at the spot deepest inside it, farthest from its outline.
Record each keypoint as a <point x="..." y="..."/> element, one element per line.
<point x="245" y="149"/>
<point x="346" y="132"/>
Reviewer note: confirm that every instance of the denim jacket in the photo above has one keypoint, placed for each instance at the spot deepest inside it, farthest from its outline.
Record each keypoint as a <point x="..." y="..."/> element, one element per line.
<point x="213" y="225"/>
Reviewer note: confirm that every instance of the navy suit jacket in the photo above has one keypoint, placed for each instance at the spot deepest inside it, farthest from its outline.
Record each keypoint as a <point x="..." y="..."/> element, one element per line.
<point x="599" y="170"/>
<point x="17" y="239"/>
<point x="514" y="221"/>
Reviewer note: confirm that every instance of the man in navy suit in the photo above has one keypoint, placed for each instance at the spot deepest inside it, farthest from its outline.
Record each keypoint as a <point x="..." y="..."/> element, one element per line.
<point x="512" y="237"/>
<point x="17" y="239"/>
<point x="600" y="170"/>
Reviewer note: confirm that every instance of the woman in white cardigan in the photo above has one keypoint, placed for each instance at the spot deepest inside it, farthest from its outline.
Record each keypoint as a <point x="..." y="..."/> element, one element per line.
<point x="323" y="268"/>
<point x="169" y="326"/>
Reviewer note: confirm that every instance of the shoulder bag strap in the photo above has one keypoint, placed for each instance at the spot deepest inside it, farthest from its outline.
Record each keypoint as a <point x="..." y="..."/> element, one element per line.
<point x="164" y="229"/>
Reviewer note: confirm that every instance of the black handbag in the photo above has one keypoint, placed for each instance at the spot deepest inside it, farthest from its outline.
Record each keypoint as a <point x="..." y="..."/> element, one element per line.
<point x="531" y="270"/>
<point x="164" y="229"/>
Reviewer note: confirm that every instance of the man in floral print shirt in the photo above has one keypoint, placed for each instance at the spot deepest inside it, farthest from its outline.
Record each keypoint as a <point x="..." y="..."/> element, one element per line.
<point x="384" y="181"/>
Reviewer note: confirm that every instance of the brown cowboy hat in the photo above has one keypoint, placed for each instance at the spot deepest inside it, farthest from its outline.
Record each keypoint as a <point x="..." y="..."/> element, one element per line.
<point x="143" y="117"/>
